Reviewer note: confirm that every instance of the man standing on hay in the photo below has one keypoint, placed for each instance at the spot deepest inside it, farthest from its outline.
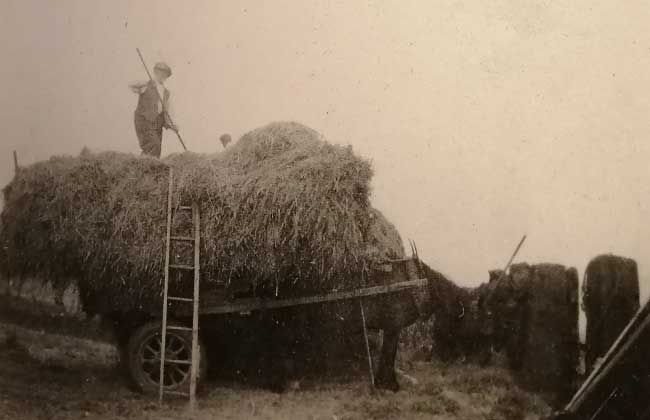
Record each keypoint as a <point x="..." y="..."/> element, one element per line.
<point x="153" y="110"/>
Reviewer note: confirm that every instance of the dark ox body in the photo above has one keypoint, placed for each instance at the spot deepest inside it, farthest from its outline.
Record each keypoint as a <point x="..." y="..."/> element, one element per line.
<point x="316" y="341"/>
<point x="610" y="300"/>
<point x="388" y="313"/>
<point x="273" y="348"/>
<point x="459" y="329"/>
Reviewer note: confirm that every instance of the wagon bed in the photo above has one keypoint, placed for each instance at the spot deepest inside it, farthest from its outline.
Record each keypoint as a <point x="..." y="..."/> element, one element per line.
<point x="397" y="276"/>
<point x="213" y="303"/>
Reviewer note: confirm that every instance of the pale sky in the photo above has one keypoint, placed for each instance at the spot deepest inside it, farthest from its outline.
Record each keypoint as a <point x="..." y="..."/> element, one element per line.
<point x="484" y="120"/>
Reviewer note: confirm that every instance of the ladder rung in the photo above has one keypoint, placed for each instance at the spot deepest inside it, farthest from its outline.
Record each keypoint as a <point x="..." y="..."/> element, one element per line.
<point x="180" y="299"/>
<point x="178" y="393"/>
<point x="179" y="362"/>
<point x="178" y="328"/>
<point x="185" y="208"/>
<point x="182" y="238"/>
<point x="181" y="267"/>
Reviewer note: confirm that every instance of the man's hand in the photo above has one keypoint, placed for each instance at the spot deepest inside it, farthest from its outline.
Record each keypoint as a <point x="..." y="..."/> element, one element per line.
<point x="173" y="127"/>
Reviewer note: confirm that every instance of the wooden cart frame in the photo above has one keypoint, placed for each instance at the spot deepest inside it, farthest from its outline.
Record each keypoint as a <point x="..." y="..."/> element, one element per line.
<point x="214" y="304"/>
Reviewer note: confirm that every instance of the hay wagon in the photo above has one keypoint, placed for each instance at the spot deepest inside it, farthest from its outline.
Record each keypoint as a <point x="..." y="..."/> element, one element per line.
<point x="281" y="203"/>
<point x="163" y="350"/>
<point x="171" y="347"/>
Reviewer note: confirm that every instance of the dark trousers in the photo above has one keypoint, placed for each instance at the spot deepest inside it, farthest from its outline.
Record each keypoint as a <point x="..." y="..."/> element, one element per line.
<point x="149" y="134"/>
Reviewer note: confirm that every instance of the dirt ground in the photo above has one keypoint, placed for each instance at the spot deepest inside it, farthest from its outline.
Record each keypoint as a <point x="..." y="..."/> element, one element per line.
<point x="51" y="376"/>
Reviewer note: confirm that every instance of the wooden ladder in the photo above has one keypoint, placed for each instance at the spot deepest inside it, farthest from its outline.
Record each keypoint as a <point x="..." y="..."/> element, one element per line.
<point x="194" y="240"/>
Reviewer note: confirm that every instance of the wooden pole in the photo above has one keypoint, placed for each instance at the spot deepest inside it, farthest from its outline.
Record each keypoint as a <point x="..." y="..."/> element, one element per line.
<point x="196" y="355"/>
<point x="163" y="332"/>
<point x="216" y="306"/>
<point x="16" y="162"/>
<point x="162" y="103"/>
<point x="514" y="254"/>
<point x="624" y="340"/>
<point x="365" y="337"/>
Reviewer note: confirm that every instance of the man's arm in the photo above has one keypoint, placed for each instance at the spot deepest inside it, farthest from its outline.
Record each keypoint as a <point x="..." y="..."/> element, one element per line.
<point x="170" y="118"/>
<point x="138" y="87"/>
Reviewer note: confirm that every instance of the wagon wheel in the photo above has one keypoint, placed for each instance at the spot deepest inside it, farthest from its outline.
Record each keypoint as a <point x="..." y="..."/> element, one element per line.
<point x="144" y="353"/>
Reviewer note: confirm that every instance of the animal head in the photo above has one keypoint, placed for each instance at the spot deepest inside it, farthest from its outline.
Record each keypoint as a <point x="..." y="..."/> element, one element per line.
<point x="503" y="300"/>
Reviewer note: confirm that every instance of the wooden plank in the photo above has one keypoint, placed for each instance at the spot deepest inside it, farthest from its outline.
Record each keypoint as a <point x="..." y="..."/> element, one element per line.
<point x="601" y="375"/>
<point x="178" y="362"/>
<point x="163" y="332"/>
<point x="196" y="218"/>
<point x="177" y="393"/>
<point x="178" y="328"/>
<point x="180" y="299"/>
<point x="254" y="304"/>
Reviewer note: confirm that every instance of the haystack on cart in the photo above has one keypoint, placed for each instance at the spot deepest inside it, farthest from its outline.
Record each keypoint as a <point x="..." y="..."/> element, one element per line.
<point x="164" y="352"/>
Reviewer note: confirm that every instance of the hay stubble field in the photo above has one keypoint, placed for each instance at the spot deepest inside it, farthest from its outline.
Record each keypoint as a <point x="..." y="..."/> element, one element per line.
<point x="54" y="376"/>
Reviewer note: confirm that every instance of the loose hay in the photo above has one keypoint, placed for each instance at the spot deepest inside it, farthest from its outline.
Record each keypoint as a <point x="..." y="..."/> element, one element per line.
<point x="282" y="208"/>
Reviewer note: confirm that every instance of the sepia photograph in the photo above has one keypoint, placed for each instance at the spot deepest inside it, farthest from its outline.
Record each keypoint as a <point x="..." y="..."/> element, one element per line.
<point x="324" y="210"/>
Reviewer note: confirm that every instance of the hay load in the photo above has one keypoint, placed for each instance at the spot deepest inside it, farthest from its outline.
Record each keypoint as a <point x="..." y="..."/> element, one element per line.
<point x="281" y="208"/>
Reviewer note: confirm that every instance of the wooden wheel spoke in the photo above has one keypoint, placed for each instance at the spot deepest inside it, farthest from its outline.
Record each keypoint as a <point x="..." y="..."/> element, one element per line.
<point x="169" y="348"/>
<point x="175" y="352"/>
<point x="181" y="374"/>
<point x="179" y="370"/>
<point x="151" y="349"/>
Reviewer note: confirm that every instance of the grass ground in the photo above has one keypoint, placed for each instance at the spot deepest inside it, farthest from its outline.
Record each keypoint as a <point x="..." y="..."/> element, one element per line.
<point x="51" y="376"/>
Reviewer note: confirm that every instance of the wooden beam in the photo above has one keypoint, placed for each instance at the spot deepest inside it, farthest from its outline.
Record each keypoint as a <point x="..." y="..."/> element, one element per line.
<point x="163" y="327"/>
<point x="626" y="338"/>
<point x="196" y="356"/>
<point x="255" y="304"/>
<point x="514" y="254"/>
